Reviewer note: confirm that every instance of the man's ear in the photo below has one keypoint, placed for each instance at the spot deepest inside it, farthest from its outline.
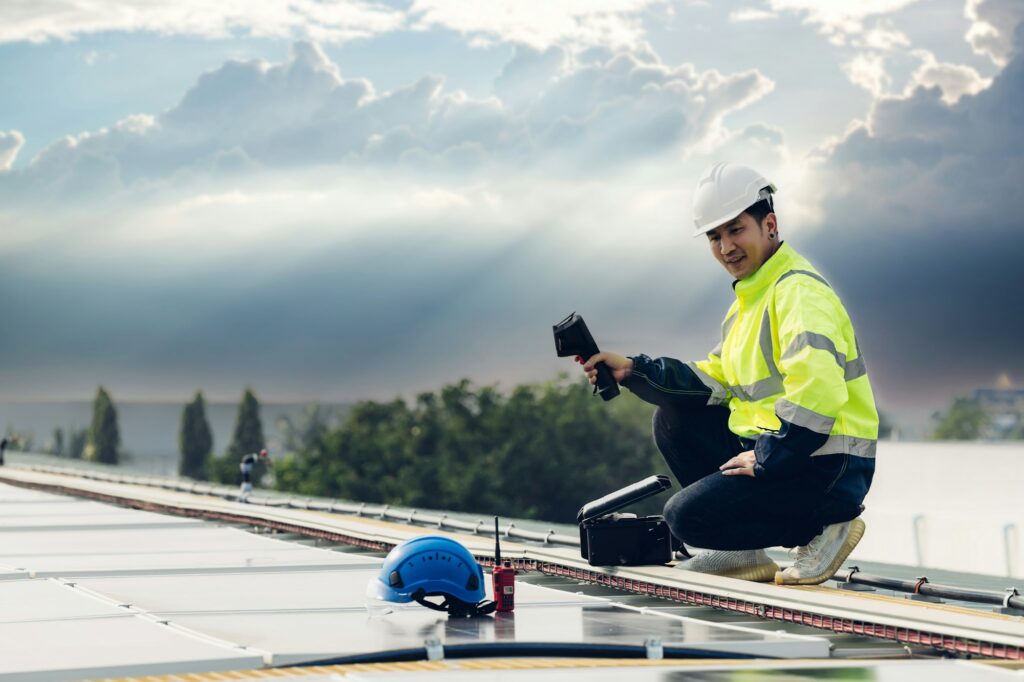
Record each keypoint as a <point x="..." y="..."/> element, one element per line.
<point x="771" y="222"/>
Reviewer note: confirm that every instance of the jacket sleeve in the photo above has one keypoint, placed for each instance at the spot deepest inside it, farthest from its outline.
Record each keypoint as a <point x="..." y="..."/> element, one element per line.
<point x="812" y="360"/>
<point x="668" y="382"/>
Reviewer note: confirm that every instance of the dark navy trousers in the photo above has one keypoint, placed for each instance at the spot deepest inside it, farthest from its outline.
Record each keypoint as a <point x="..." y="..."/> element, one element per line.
<point x="715" y="511"/>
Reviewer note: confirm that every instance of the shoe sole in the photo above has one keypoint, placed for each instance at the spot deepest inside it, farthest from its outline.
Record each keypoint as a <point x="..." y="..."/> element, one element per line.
<point x="764" y="573"/>
<point x="856" y="533"/>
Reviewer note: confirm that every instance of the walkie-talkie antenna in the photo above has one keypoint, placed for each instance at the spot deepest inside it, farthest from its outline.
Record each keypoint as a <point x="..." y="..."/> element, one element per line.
<point x="497" y="544"/>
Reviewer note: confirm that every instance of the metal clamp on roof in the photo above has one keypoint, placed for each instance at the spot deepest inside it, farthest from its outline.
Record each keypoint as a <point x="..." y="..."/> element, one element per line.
<point x="435" y="651"/>
<point x="849" y="584"/>
<point x="917" y="595"/>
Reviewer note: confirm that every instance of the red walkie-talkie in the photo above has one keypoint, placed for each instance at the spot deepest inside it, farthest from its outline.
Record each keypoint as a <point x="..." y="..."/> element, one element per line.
<point x="503" y="578"/>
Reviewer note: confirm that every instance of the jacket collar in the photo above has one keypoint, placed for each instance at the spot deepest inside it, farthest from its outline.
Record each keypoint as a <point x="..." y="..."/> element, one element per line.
<point x="767" y="274"/>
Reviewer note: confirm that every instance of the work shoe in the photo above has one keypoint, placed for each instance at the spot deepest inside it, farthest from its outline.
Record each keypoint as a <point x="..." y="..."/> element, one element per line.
<point x="818" y="560"/>
<point x="747" y="564"/>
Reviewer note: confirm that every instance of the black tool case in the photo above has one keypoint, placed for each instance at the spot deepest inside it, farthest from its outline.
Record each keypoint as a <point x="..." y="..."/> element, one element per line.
<point x="610" y="539"/>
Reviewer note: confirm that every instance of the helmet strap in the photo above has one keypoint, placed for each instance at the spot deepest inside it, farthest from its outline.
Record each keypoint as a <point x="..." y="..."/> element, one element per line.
<point x="455" y="607"/>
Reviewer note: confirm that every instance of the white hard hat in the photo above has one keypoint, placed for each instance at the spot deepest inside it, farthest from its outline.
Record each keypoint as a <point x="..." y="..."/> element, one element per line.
<point x="724" y="191"/>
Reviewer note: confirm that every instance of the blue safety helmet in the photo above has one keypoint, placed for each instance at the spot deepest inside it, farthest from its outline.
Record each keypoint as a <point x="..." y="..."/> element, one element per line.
<point x="432" y="566"/>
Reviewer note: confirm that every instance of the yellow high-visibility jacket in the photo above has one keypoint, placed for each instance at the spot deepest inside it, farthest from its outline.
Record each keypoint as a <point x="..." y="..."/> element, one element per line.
<point x="790" y="371"/>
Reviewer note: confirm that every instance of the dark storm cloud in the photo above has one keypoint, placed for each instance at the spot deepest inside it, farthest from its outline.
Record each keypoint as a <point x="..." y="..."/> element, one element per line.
<point x="924" y="236"/>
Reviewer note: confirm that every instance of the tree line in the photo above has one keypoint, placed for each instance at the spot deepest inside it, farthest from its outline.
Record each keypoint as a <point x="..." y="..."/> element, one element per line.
<point x="536" y="451"/>
<point x="539" y="451"/>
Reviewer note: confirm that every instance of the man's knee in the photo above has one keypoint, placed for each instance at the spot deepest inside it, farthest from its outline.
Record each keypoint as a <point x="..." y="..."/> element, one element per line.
<point x="686" y="516"/>
<point x="674" y="512"/>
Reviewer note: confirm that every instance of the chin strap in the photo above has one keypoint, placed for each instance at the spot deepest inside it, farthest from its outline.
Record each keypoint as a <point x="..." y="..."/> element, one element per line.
<point x="453" y="606"/>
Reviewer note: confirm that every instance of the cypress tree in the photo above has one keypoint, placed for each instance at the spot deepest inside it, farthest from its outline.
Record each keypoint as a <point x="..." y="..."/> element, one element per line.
<point x="58" y="442"/>
<point x="104" y="436"/>
<point x="248" y="437"/>
<point x="195" y="441"/>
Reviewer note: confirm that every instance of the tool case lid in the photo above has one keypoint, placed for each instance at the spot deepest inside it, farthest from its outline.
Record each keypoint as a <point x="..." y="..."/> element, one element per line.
<point x="652" y="485"/>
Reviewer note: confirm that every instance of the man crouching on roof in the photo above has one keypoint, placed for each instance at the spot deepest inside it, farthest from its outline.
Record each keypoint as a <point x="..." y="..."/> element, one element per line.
<point x="773" y="436"/>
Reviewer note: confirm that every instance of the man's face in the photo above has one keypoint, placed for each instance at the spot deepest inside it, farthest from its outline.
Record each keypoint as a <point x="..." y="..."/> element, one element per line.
<point x="741" y="245"/>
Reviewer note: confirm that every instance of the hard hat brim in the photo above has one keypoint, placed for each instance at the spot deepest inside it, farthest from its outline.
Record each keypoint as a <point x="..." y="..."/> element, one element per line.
<point x="701" y="231"/>
<point x="763" y="193"/>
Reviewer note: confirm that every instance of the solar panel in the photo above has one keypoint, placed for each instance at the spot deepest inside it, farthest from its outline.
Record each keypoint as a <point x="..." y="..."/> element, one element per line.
<point x="117" y="593"/>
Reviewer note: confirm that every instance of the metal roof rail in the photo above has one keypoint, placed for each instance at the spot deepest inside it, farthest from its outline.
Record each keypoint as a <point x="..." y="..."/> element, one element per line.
<point x="1010" y="599"/>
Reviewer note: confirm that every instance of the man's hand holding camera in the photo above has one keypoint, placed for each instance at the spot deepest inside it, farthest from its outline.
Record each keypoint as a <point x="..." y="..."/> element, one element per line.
<point x="620" y="365"/>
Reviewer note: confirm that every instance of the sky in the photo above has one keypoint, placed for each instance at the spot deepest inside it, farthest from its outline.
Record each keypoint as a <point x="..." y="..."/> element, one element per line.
<point x="341" y="200"/>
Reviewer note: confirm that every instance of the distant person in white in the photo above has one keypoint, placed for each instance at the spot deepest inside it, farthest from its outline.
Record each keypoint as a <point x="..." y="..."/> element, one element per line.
<point x="246" y="466"/>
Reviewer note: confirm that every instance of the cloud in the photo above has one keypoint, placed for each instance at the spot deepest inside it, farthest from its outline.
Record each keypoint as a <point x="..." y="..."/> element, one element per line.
<point x="750" y="14"/>
<point x="10" y="144"/>
<point x="837" y="19"/>
<point x="538" y="23"/>
<point x="762" y="134"/>
<point x="875" y="48"/>
<point x="992" y="24"/>
<point x="574" y="24"/>
<point x="529" y="73"/>
<point x="868" y="71"/>
<point x="333" y="21"/>
<point x="921" y="232"/>
<point x="954" y="80"/>
<point x="883" y="37"/>
<point x="592" y="111"/>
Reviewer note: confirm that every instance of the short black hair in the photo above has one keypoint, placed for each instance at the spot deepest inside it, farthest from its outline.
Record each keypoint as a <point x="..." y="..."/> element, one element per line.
<point x="759" y="210"/>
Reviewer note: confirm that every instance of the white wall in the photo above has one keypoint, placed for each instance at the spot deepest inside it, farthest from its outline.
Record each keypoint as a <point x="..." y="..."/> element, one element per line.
<point x="949" y="505"/>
